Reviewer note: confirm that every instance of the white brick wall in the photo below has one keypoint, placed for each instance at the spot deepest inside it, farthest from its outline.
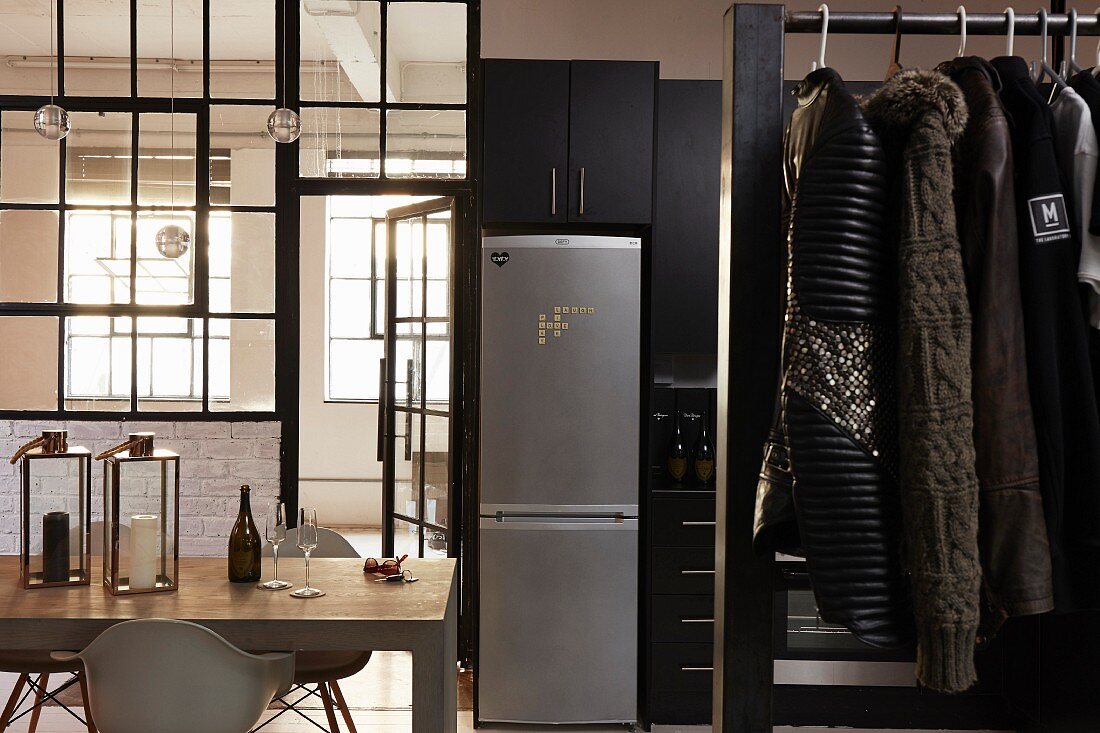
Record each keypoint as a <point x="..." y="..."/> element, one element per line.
<point x="215" y="459"/>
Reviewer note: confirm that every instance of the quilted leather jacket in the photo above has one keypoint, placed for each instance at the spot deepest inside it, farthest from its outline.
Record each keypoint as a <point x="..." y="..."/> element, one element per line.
<point x="831" y="461"/>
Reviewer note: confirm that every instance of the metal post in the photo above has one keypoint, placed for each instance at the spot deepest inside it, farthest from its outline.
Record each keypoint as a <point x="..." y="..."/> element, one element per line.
<point x="749" y="325"/>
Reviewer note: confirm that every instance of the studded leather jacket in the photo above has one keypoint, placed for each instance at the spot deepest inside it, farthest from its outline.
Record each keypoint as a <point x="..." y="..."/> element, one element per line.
<point x="829" y="482"/>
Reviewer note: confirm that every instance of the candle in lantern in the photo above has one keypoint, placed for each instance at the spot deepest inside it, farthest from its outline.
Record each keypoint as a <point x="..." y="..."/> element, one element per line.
<point x="143" y="550"/>
<point x="55" y="547"/>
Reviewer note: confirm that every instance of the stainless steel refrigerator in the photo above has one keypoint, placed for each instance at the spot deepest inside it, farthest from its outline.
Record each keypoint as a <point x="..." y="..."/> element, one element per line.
<point x="559" y="457"/>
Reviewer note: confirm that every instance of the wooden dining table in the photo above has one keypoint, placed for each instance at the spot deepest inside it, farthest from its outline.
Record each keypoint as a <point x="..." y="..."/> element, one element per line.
<point x="356" y="614"/>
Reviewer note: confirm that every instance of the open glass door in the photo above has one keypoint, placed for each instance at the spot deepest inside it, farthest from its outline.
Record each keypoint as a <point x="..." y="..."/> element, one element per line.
<point x="416" y="433"/>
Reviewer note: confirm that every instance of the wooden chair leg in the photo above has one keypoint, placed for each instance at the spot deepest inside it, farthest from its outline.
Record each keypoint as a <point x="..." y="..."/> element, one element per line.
<point x="87" y="705"/>
<point x="327" y="700"/>
<point x="39" y="696"/>
<point x="341" y="703"/>
<point x="13" y="700"/>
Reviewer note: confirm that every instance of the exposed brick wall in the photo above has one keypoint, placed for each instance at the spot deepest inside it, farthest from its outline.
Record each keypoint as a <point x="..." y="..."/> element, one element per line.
<point x="215" y="459"/>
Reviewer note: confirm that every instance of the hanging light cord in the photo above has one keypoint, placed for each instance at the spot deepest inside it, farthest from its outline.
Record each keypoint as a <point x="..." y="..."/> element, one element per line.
<point x="172" y="104"/>
<point x="53" y="58"/>
<point x="285" y="5"/>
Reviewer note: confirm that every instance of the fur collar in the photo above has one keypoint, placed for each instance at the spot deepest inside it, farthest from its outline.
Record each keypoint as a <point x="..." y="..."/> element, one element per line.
<point x="900" y="103"/>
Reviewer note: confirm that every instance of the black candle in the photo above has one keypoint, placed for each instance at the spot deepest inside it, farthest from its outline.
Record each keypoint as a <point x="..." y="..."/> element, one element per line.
<point x="55" y="547"/>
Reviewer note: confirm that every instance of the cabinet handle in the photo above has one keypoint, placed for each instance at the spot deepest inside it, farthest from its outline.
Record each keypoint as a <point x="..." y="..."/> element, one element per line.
<point x="554" y="191"/>
<point x="696" y="572"/>
<point x="582" y="191"/>
<point x="697" y="524"/>
<point x="696" y="669"/>
<point x="696" y="620"/>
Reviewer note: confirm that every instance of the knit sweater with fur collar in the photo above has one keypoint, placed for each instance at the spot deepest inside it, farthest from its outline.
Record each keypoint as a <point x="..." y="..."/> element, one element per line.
<point x="920" y="115"/>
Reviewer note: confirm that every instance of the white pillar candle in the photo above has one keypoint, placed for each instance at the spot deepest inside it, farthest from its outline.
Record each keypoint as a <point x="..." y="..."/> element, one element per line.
<point x="143" y="551"/>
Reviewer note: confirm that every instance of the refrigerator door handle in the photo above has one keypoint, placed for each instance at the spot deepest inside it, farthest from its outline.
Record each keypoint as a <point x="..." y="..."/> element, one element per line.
<point x="581" y="209"/>
<point x="697" y="524"/>
<point x="563" y="522"/>
<point x="696" y="572"/>
<point x="554" y="191"/>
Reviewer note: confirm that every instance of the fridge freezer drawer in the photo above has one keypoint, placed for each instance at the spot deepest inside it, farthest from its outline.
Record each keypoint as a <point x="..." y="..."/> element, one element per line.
<point x="558" y="622"/>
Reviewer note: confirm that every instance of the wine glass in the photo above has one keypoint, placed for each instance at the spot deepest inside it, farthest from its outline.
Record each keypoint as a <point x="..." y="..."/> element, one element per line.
<point x="275" y="533"/>
<point x="307" y="542"/>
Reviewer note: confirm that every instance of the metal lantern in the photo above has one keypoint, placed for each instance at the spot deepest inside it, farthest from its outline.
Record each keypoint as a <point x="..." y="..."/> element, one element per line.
<point x="141" y="491"/>
<point x="173" y="241"/>
<point x="284" y="125"/>
<point x="51" y="122"/>
<point x="55" y="517"/>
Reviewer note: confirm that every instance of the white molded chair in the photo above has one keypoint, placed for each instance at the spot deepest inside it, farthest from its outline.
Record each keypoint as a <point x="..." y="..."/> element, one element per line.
<point x="177" y="677"/>
<point x="323" y="669"/>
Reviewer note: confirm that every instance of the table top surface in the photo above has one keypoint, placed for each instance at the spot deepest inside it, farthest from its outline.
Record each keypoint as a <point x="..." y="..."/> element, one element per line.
<point x="205" y="593"/>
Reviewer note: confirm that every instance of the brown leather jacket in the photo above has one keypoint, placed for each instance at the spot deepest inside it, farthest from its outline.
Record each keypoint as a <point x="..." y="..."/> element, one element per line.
<point x="1015" y="553"/>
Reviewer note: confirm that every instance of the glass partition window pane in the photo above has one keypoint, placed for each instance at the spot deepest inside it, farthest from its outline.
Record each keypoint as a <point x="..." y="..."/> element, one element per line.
<point x="97" y="48"/>
<point x="339" y="143"/>
<point x="158" y="75"/>
<point x="242" y="156"/>
<point x="437" y="470"/>
<point x="169" y="364"/>
<point x="242" y="50"/>
<point x="163" y="280"/>
<point x="425" y="144"/>
<point x="97" y="363"/>
<point x="341" y="43"/>
<point x="242" y="364"/>
<point x="28" y="162"/>
<point x="28" y="256"/>
<point x="97" y="158"/>
<point x="28" y="363"/>
<point x="242" y="262"/>
<point x="97" y="257"/>
<point x="166" y="159"/>
<point x="353" y="366"/>
<point x="25" y="41"/>
<point x="426" y="53"/>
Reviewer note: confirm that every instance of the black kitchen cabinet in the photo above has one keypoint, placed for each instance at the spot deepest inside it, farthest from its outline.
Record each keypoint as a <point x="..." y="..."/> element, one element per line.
<point x="611" y="110"/>
<point x="526" y="127"/>
<point x="685" y="222"/>
<point x="568" y="141"/>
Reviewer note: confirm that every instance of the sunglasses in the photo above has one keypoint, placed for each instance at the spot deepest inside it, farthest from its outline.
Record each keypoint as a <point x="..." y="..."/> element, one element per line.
<point x="383" y="567"/>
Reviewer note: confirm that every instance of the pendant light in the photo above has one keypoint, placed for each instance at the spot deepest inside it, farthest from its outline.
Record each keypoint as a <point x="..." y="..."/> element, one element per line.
<point x="284" y="125"/>
<point x="172" y="240"/>
<point x="52" y="121"/>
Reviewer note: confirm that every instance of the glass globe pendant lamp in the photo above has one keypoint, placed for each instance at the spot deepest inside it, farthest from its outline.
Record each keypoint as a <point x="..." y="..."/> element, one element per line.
<point x="51" y="121"/>
<point x="173" y="241"/>
<point x="284" y="125"/>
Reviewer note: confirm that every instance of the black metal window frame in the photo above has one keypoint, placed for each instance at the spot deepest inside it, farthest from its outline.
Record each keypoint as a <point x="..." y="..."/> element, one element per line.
<point x="200" y="108"/>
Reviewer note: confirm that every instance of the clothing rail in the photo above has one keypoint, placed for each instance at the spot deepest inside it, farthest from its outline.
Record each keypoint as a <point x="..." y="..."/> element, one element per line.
<point x="938" y="24"/>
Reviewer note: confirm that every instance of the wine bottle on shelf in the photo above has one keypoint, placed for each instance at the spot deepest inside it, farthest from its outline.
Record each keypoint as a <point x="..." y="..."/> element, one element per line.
<point x="244" y="544"/>
<point x="677" y="452"/>
<point x="702" y="455"/>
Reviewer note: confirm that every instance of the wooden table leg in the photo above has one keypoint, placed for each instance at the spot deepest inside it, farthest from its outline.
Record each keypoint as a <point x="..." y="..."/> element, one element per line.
<point x="327" y="700"/>
<point x="13" y="700"/>
<point x="341" y="703"/>
<point x="87" y="703"/>
<point x="39" y="695"/>
<point x="435" y="676"/>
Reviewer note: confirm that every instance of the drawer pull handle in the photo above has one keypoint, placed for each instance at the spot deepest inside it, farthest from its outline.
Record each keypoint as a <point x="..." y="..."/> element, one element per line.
<point x="697" y="524"/>
<point x="696" y="620"/>
<point x="696" y="572"/>
<point x="696" y="669"/>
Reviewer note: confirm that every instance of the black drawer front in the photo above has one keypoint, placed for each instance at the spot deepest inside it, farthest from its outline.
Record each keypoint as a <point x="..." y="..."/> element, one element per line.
<point x="683" y="618"/>
<point x="683" y="522"/>
<point x="680" y="708"/>
<point x="683" y="571"/>
<point x="682" y="667"/>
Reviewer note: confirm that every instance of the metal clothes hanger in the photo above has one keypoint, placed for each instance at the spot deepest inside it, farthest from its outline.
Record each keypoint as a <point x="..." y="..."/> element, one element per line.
<point x="1010" y="41"/>
<point x="1042" y="69"/>
<point x="962" y="30"/>
<point x="1070" y="65"/>
<point x="820" y="63"/>
<point x="895" y="58"/>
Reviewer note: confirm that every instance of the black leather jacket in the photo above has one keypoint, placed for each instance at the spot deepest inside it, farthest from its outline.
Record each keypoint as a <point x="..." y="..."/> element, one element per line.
<point x="834" y="445"/>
